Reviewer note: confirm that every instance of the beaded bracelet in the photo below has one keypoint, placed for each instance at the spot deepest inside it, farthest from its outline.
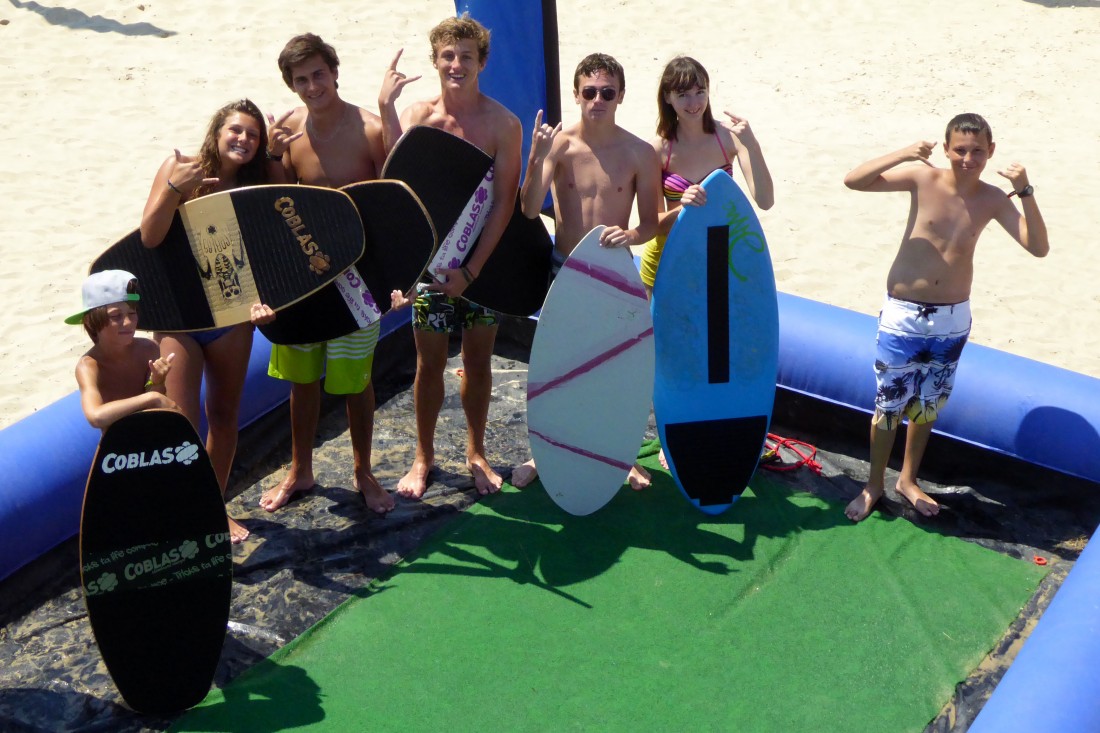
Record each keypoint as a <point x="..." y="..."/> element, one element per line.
<point x="173" y="187"/>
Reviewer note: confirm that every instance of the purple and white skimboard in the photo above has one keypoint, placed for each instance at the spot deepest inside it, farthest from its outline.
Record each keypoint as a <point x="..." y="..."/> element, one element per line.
<point x="590" y="377"/>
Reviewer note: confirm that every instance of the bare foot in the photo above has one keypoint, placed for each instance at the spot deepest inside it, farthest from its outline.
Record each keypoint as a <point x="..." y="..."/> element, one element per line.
<point x="639" y="478"/>
<point x="921" y="501"/>
<point x="859" y="507"/>
<point x="238" y="533"/>
<point x="486" y="479"/>
<point x="414" y="483"/>
<point x="525" y="474"/>
<point x="662" y="459"/>
<point x="377" y="499"/>
<point x="277" y="497"/>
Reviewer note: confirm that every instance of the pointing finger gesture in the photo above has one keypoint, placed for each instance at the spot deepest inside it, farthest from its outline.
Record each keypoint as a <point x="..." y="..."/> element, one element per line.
<point x="542" y="137"/>
<point x="739" y="128"/>
<point x="393" y="82"/>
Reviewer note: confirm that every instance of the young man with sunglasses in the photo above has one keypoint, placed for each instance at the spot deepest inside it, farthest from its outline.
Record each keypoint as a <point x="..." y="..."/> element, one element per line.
<point x="595" y="170"/>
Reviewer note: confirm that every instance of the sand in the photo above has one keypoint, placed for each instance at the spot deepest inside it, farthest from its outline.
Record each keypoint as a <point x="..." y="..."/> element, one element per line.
<point x="100" y="93"/>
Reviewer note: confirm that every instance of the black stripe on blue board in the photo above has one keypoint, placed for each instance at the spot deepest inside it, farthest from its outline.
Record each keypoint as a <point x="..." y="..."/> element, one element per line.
<point x="715" y="459"/>
<point x="718" y="309"/>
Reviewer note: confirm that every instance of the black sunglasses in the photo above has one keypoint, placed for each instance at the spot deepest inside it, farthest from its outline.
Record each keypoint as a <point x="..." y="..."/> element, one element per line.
<point x="606" y="93"/>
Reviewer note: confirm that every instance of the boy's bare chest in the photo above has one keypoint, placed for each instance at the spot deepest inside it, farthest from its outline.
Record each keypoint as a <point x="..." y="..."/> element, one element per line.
<point x="599" y="175"/>
<point x="476" y="129"/>
<point x="334" y="163"/>
<point x="121" y="381"/>
<point x="951" y="222"/>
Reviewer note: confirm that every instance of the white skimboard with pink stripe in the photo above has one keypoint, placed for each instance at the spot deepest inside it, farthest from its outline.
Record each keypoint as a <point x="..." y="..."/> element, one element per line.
<point x="590" y="379"/>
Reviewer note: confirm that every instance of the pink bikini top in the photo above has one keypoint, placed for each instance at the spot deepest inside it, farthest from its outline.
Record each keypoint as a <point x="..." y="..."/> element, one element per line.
<point x="674" y="184"/>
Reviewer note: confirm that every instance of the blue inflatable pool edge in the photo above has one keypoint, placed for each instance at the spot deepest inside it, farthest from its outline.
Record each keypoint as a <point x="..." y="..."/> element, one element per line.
<point x="45" y="459"/>
<point x="1050" y="686"/>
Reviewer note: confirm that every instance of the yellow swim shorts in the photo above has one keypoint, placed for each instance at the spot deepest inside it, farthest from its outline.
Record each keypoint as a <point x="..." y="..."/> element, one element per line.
<point x="651" y="257"/>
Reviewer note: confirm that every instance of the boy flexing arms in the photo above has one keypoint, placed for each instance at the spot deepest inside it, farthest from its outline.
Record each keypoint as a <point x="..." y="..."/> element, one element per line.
<point x="460" y="49"/>
<point x="327" y="142"/>
<point x="925" y="320"/>
<point x="595" y="169"/>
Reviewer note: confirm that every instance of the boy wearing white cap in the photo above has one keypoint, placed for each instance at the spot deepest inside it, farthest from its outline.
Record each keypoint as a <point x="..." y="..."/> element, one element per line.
<point x="121" y="373"/>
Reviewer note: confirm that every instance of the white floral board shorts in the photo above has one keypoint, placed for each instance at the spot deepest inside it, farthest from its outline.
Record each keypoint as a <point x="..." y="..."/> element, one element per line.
<point x="919" y="345"/>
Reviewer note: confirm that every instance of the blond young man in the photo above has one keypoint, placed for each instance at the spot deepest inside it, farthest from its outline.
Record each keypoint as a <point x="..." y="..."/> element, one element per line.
<point x="460" y="50"/>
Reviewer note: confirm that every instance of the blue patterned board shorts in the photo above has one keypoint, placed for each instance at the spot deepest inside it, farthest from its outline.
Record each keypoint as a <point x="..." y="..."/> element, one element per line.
<point x="919" y="345"/>
<point x="434" y="311"/>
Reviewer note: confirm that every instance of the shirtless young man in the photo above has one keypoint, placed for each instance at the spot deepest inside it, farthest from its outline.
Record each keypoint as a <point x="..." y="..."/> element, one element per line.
<point x="121" y="374"/>
<point x="595" y="169"/>
<point x="327" y="142"/>
<point x="460" y="49"/>
<point x="925" y="320"/>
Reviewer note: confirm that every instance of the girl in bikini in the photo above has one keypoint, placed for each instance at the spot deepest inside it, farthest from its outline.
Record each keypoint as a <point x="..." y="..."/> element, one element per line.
<point x="234" y="153"/>
<point x="691" y="145"/>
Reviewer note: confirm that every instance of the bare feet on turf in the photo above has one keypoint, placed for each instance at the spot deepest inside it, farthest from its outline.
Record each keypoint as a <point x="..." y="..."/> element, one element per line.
<point x="238" y="533"/>
<point x="377" y="499"/>
<point x="414" y="483"/>
<point x="525" y="474"/>
<point x="921" y="501"/>
<point x="859" y="507"/>
<point x="639" y="478"/>
<point x="277" y="497"/>
<point x="486" y="479"/>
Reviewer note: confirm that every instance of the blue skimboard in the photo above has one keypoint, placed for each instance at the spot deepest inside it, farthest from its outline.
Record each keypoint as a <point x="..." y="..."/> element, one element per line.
<point x="716" y="332"/>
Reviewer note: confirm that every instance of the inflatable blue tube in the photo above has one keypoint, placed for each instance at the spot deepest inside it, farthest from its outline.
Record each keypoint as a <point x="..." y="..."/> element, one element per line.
<point x="1050" y="686"/>
<point x="1008" y="404"/>
<point x="45" y="459"/>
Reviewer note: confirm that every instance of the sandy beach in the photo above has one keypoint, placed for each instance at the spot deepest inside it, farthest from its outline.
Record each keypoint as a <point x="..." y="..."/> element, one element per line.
<point x="99" y="93"/>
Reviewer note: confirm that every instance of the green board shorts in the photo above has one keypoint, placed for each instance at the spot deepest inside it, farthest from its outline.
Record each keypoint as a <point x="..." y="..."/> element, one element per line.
<point x="345" y="362"/>
<point x="436" y="312"/>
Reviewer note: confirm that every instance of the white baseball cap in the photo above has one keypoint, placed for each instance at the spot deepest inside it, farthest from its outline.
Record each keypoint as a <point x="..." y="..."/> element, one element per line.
<point x="104" y="288"/>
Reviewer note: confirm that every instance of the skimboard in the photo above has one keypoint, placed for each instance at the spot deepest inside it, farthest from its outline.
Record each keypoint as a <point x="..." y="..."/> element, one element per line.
<point x="454" y="180"/>
<point x="716" y="331"/>
<point x="156" y="562"/>
<point x="590" y="377"/>
<point x="228" y="250"/>
<point x="400" y="240"/>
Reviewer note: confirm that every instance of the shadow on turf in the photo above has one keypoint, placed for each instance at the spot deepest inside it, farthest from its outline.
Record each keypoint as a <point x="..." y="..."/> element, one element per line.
<point x="257" y="702"/>
<point x="531" y="541"/>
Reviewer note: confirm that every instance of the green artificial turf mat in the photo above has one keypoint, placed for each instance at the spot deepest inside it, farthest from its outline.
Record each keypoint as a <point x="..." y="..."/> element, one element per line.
<point x="779" y="615"/>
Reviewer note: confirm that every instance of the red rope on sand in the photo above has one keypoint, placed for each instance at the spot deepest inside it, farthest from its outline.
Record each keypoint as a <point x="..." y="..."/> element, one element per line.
<point x="774" y="462"/>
